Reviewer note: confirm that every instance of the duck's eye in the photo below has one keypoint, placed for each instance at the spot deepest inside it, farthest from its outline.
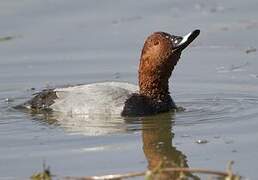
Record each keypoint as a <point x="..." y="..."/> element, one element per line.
<point x="156" y="43"/>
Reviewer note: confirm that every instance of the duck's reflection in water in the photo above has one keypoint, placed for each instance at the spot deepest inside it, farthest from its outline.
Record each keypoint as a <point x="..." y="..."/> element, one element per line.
<point x="83" y="124"/>
<point x="157" y="139"/>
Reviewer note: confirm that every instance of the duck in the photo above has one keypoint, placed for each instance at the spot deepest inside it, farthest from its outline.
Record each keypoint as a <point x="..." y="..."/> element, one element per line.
<point x="160" y="54"/>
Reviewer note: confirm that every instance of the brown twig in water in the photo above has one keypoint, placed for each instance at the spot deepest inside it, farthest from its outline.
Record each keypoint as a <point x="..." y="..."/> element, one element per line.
<point x="196" y="170"/>
<point x="136" y="174"/>
<point x="228" y="174"/>
<point x="107" y="177"/>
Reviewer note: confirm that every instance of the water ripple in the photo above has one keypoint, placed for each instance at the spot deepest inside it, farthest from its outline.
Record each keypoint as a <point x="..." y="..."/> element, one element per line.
<point x="218" y="108"/>
<point x="207" y="108"/>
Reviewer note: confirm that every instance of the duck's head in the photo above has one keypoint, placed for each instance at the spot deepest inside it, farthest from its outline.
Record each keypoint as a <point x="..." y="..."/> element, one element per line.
<point x="160" y="54"/>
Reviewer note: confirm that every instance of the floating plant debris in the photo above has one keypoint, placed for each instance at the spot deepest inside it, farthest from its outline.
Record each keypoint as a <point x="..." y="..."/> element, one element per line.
<point x="6" y="38"/>
<point x="250" y="50"/>
<point x="202" y="141"/>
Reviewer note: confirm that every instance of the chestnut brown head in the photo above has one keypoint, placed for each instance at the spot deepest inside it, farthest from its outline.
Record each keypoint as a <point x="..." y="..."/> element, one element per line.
<point x="160" y="54"/>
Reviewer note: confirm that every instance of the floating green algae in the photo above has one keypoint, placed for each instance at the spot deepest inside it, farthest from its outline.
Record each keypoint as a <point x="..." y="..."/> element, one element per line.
<point x="6" y="38"/>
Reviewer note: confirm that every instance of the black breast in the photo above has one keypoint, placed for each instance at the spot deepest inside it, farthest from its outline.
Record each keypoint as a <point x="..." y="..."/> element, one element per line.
<point x="140" y="105"/>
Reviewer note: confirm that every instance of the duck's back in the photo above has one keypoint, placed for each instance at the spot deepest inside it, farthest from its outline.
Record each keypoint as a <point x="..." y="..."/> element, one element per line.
<point x="97" y="98"/>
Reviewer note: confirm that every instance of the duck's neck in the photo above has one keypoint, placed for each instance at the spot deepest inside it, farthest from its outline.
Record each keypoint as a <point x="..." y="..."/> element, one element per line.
<point x="154" y="87"/>
<point x="153" y="77"/>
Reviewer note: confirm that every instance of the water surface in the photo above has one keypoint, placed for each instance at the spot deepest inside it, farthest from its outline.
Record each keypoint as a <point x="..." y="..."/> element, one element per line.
<point x="52" y="43"/>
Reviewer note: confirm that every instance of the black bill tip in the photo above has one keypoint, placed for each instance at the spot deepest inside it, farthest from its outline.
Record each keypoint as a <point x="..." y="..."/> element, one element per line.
<point x="184" y="41"/>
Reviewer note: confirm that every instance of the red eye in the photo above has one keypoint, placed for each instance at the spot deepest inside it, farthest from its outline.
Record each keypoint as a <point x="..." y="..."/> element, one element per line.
<point x="156" y="43"/>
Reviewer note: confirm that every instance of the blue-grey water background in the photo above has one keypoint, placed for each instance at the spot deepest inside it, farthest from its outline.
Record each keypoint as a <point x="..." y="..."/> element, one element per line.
<point x="50" y="43"/>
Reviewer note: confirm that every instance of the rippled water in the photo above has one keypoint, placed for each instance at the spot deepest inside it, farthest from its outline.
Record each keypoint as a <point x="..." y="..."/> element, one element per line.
<point x="219" y="107"/>
<point x="55" y="43"/>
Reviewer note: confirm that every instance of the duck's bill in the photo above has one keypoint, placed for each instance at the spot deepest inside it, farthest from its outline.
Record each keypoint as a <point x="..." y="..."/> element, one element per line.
<point x="182" y="42"/>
